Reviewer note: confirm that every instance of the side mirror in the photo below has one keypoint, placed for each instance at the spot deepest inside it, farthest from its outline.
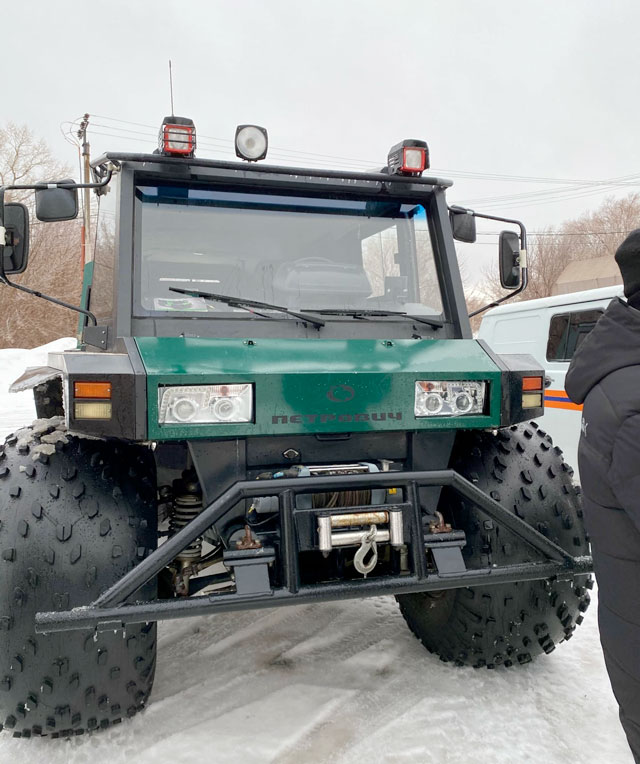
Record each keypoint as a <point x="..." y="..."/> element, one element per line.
<point x="510" y="271"/>
<point x="16" y="249"/>
<point x="57" y="204"/>
<point x="463" y="225"/>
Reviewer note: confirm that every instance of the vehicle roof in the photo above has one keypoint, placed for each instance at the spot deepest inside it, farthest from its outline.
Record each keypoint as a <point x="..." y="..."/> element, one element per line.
<point x="569" y="298"/>
<point x="167" y="162"/>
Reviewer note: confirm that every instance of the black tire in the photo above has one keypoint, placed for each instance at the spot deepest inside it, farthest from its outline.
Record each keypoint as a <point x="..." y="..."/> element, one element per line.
<point x="75" y="515"/>
<point x="506" y="624"/>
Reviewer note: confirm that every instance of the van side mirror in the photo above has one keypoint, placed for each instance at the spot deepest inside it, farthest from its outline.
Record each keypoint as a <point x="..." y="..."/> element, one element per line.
<point x="16" y="244"/>
<point x="463" y="224"/>
<point x="57" y="204"/>
<point x="510" y="271"/>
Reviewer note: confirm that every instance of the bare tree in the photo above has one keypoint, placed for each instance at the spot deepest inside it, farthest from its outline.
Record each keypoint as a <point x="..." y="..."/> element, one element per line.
<point x="599" y="233"/>
<point x="54" y="257"/>
<point x="25" y="159"/>
<point x="475" y="299"/>
<point x="547" y="258"/>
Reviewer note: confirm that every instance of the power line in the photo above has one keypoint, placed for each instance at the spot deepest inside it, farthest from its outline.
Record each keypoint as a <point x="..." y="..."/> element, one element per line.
<point x="202" y="144"/>
<point x="205" y="139"/>
<point x="552" y="195"/>
<point x="572" y="188"/>
<point x="503" y="206"/>
<point x="563" y="233"/>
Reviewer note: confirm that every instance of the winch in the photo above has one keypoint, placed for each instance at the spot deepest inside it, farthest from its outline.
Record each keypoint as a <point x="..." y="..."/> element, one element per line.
<point x="361" y="519"/>
<point x="361" y="529"/>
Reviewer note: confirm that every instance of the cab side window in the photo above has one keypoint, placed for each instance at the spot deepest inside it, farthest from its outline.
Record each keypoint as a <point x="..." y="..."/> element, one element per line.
<point x="102" y="287"/>
<point x="567" y="331"/>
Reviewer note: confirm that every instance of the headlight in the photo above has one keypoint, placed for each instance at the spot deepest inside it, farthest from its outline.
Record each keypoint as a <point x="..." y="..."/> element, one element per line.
<point x="205" y="404"/>
<point x="450" y="398"/>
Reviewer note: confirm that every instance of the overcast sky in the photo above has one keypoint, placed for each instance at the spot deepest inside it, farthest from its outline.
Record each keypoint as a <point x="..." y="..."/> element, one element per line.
<point x="540" y="89"/>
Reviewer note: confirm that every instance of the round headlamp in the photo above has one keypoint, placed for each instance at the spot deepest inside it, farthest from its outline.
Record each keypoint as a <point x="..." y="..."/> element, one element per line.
<point x="463" y="403"/>
<point x="184" y="409"/>
<point x="224" y="409"/>
<point x="251" y="142"/>
<point x="431" y="403"/>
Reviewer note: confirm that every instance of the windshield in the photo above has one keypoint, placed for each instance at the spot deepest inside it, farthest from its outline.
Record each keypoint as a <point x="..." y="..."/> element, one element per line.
<point x="298" y="252"/>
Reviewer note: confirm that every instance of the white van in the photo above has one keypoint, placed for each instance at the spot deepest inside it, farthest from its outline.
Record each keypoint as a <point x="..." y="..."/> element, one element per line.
<point x="550" y="329"/>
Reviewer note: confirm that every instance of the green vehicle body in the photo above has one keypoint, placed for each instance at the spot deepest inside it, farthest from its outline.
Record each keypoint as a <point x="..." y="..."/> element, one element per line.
<point x="333" y="391"/>
<point x="293" y="385"/>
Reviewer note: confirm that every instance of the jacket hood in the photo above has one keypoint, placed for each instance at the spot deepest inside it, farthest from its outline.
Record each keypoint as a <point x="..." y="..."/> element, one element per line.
<point x="613" y="344"/>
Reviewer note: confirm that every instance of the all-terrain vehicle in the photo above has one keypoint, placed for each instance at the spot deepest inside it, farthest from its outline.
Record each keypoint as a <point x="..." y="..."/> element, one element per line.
<point x="276" y="399"/>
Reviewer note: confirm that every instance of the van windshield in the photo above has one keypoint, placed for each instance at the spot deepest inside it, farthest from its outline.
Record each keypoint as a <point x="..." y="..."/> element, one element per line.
<point x="304" y="253"/>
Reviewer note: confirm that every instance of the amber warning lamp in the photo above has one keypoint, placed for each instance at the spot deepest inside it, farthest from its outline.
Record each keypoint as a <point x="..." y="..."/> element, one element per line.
<point x="177" y="137"/>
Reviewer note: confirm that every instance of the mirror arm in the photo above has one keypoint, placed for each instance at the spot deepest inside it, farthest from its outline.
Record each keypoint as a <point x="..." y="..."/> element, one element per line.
<point x="519" y="223"/>
<point x="525" y="269"/>
<point x="495" y="303"/>
<point x="5" y="280"/>
<point x="43" y="186"/>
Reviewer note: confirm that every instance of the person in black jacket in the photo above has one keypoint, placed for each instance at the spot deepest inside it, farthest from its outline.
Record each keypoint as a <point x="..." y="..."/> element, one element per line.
<point x="605" y="376"/>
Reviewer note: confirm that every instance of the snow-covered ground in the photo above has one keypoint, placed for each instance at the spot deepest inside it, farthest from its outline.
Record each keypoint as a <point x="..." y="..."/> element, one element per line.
<point x="343" y="683"/>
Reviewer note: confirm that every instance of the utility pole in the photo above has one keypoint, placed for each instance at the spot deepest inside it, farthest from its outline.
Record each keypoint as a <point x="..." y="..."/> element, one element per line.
<point x="86" y="222"/>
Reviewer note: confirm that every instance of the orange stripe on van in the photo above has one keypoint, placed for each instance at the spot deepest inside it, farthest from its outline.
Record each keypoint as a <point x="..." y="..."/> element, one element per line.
<point x="558" y="399"/>
<point x="561" y="405"/>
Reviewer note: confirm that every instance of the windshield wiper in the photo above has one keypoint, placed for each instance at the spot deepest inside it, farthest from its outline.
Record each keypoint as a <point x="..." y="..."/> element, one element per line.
<point x="240" y="302"/>
<point x="432" y="321"/>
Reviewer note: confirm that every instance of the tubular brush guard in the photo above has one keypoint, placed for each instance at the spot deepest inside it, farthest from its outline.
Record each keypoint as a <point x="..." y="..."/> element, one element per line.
<point x="253" y="590"/>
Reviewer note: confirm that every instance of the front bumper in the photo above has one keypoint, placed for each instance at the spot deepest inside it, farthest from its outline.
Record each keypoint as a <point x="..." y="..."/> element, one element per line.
<point x="115" y="607"/>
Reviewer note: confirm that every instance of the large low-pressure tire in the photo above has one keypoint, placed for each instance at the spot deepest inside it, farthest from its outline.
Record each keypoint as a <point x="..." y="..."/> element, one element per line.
<point x="75" y="516"/>
<point x="507" y="624"/>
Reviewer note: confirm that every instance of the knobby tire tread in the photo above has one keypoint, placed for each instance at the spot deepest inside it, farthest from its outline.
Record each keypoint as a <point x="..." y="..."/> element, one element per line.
<point x="75" y="515"/>
<point x="507" y="624"/>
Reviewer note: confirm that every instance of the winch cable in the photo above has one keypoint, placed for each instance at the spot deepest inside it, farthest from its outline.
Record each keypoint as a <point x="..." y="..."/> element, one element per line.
<point x="341" y="499"/>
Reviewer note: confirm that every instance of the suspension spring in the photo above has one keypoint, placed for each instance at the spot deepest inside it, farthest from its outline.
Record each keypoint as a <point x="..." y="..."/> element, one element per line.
<point x="187" y="504"/>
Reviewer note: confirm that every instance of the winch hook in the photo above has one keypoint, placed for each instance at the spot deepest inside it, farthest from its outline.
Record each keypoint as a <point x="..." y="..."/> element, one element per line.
<point x="367" y="547"/>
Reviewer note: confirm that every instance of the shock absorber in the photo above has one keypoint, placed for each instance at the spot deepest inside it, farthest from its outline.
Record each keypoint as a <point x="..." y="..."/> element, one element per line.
<point x="187" y="504"/>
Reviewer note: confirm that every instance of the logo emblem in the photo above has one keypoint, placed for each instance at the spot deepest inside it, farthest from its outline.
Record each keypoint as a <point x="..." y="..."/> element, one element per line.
<point x="341" y="394"/>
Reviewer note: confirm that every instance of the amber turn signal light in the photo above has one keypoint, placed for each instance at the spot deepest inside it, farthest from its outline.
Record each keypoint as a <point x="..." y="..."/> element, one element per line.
<point x="92" y="390"/>
<point x="532" y="383"/>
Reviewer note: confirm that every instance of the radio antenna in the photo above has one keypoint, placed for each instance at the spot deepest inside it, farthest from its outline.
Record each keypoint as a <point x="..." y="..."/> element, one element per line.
<point x="171" y="87"/>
